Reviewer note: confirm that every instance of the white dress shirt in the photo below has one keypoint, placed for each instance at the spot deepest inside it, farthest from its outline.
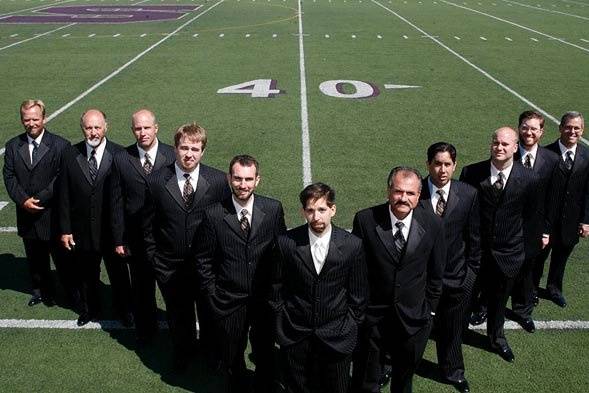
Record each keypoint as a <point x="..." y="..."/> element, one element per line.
<point x="319" y="241"/>
<point x="181" y="179"/>
<point x="249" y="206"/>
<point x="152" y="153"/>
<point x="532" y="153"/>
<point x="37" y="139"/>
<point x="99" y="152"/>
<point x="564" y="150"/>
<point x="433" y="192"/>
<point x="406" y="221"/>
<point x="495" y="173"/>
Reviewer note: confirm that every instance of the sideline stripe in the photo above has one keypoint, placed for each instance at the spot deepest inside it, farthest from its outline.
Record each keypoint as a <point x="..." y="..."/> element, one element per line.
<point x="517" y="25"/>
<point x="37" y="36"/>
<point x="485" y="73"/>
<point x="2" y="16"/>
<point x="544" y="9"/>
<point x="70" y="324"/>
<point x="127" y="64"/>
<point x="307" y="178"/>
<point x="8" y="229"/>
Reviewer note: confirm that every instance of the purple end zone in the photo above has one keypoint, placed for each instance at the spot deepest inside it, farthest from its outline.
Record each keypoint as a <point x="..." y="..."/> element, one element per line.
<point x="104" y="14"/>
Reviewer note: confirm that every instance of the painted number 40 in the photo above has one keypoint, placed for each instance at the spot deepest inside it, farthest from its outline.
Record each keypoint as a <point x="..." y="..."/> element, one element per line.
<point x="341" y="88"/>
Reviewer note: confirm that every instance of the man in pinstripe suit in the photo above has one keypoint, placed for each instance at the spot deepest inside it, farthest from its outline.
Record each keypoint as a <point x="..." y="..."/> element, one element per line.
<point x="319" y="296"/>
<point x="458" y="205"/>
<point x="232" y="251"/>
<point x="506" y="193"/>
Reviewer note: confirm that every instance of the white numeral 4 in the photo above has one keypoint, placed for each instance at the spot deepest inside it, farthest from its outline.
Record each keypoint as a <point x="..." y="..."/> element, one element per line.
<point x="258" y="88"/>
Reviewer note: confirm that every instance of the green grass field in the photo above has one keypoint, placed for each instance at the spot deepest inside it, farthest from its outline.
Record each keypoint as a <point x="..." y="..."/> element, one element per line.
<point x="476" y="65"/>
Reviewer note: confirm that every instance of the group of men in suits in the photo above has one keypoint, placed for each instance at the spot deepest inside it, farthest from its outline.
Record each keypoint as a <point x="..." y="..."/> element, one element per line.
<point x="329" y="300"/>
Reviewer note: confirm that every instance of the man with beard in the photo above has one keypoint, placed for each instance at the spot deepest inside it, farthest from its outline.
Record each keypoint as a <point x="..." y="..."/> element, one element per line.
<point x="31" y="164"/>
<point x="406" y="255"/>
<point x="178" y="194"/>
<point x="131" y="169"/>
<point x="319" y="296"/>
<point x="84" y="219"/>
<point x="232" y="252"/>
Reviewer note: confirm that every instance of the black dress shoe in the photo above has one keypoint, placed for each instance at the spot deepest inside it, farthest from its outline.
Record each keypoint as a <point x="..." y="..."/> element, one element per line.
<point x="83" y="319"/>
<point x="478" y="318"/>
<point x="385" y="377"/>
<point x="506" y="354"/>
<point x="558" y="299"/>
<point x="528" y="325"/>
<point x="35" y="299"/>
<point x="48" y="302"/>
<point x="462" y="386"/>
<point x="126" y="320"/>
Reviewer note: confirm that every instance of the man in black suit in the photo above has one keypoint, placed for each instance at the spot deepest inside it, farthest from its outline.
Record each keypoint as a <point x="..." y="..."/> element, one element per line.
<point x="84" y="219"/>
<point x="457" y="203"/>
<point x="232" y="251"/>
<point x="569" y="207"/>
<point x="506" y="193"/>
<point x="319" y="297"/>
<point x="31" y="165"/>
<point x="131" y="169"/>
<point x="406" y="256"/>
<point x="542" y="162"/>
<point x="178" y="194"/>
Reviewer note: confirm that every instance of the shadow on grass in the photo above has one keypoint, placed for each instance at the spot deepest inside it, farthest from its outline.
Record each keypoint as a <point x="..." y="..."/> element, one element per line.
<point x="477" y="340"/>
<point x="15" y="273"/>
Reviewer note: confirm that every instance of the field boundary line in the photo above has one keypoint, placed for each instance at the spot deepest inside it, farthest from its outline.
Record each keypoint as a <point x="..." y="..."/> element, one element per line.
<point x="545" y="9"/>
<point x="306" y="142"/>
<point x="37" y="36"/>
<point x="127" y="64"/>
<point x="517" y="25"/>
<point x="479" y="69"/>
<point x="71" y="324"/>
<point x="36" y="8"/>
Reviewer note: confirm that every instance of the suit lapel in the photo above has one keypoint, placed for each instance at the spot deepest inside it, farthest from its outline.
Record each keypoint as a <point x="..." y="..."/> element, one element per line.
<point x="416" y="233"/>
<point x="174" y="190"/>
<point x="452" y="200"/>
<point x="83" y="161"/>
<point x="43" y="147"/>
<point x="160" y="159"/>
<point x="303" y="248"/>
<point x="580" y="158"/>
<point x="257" y="218"/>
<point x="135" y="161"/>
<point x="385" y="233"/>
<point x="230" y="219"/>
<point x="334" y="253"/>
<point x="202" y="186"/>
<point x="105" y="163"/>
<point x="23" y="151"/>
<point x="539" y="161"/>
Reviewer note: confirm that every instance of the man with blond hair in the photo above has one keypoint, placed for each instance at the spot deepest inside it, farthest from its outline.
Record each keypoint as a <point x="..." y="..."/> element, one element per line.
<point x="31" y="164"/>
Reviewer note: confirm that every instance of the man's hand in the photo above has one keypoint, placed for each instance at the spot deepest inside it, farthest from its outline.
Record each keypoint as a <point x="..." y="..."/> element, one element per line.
<point x="121" y="251"/>
<point x="545" y="241"/>
<point x="31" y="205"/>
<point x="67" y="241"/>
<point x="583" y="230"/>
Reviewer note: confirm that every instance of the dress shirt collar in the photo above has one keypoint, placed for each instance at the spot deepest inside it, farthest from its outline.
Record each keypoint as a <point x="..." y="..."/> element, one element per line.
<point x="564" y="149"/>
<point x="249" y="206"/>
<point x="322" y="240"/>
<point x="433" y="192"/>
<point x="181" y="179"/>
<point x="506" y="172"/>
<point x="37" y="139"/>
<point x="99" y="151"/>
<point x="152" y="153"/>
<point x="406" y="221"/>
<point x="523" y="153"/>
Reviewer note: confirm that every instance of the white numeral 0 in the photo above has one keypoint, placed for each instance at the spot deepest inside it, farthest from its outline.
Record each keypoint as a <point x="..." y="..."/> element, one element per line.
<point x="335" y="89"/>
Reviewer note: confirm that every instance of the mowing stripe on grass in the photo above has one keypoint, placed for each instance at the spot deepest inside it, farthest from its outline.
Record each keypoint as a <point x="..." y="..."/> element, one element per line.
<point x="307" y="178"/>
<point x="127" y="64"/>
<point x="39" y="7"/>
<point x="544" y="9"/>
<point x="70" y="324"/>
<point x="479" y="69"/>
<point x="517" y="25"/>
<point x="37" y="36"/>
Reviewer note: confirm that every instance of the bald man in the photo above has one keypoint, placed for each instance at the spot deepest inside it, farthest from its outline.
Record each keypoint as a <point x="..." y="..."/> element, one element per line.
<point x="506" y="193"/>
<point x="84" y="219"/>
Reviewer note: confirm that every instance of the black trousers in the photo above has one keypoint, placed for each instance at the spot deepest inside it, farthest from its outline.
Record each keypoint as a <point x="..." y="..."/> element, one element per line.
<point x="498" y="289"/>
<point x="449" y="323"/>
<point x="38" y="257"/>
<point x="232" y="336"/>
<point x="388" y="337"/>
<point x="180" y="312"/>
<point x="143" y="292"/>
<point x="522" y="296"/>
<point x="312" y="367"/>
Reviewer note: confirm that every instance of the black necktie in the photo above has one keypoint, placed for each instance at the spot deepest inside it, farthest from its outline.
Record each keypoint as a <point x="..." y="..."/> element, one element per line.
<point x="499" y="183"/>
<point x="399" y="238"/>
<point x="187" y="191"/>
<point x="528" y="160"/>
<point x="568" y="162"/>
<point x="35" y="153"/>
<point x="93" y="165"/>
<point x="147" y="165"/>
<point x="441" y="205"/>
<point x="244" y="223"/>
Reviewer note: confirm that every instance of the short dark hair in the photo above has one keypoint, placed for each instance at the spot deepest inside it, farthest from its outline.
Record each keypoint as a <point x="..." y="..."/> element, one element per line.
<point x="570" y="115"/>
<point x="244" y="160"/>
<point x="527" y="115"/>
<point x="441" y="147"/>
<point x="317" y="191"/>
<point x="406" y="171"/>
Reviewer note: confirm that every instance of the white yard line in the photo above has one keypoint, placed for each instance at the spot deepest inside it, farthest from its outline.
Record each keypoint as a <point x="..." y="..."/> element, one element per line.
<point x="307" y="177"/>
<point x="39" y="7"/>
<point x="546" y="10"/>
<point x="36" y="36"/>
<point x="575" y="2"/>
<point x="517" y="25"/>
<point x="8" y="229"/>
<point x="479" y="69"/>
<point x="2" y="150"/>
<point x="70" y="324"/>
<point x="127" y="64"/>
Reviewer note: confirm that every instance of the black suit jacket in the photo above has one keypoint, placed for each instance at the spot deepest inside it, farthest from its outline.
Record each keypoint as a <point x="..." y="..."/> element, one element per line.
<point x="233" y="268"/>
<point x="545" y="163"/>
<point x="329" y="305"/>
<point x="504" y="216"/>
<point x="569" y="196"/>
<point x="168" y="225"/>
<point x="409" y="287"/>
<point x="128" y="187"/>
<point x="462" y="228"/>
<point x="23" y="180"/>
<point x="83" y="205"/>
